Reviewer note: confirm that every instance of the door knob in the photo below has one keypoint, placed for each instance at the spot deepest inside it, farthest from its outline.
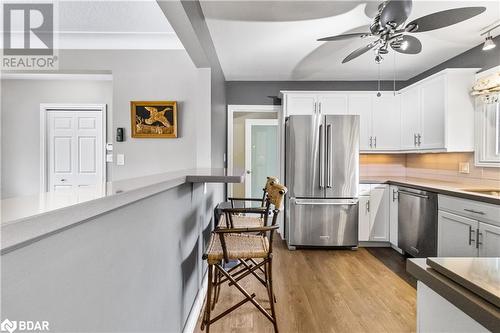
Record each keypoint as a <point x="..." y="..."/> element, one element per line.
<point x="63" y="180"/>
<point x="249" y="172"/>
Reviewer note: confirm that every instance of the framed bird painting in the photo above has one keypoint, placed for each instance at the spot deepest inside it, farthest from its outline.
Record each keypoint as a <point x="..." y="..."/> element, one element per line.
<point x="155" y="119"/>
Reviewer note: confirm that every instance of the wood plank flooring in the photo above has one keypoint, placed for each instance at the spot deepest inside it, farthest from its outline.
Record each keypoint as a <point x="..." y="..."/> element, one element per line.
<point x="324" y="291"/>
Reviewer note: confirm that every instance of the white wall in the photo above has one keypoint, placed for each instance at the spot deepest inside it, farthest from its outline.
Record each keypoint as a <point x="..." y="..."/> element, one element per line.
<point x="140" y="75"/>
<point x="144" y="75"/>
<point x="20" y="135"/>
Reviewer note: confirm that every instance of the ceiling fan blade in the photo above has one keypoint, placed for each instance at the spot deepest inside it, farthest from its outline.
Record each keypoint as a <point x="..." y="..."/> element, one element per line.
<point x="359" y="52"/>
<point x="371" y="9"/>
<point x="444" y="18"/>
<point x="407" y="45"/>
<point x="396" y="11"/>
<point x="345" y="36"/>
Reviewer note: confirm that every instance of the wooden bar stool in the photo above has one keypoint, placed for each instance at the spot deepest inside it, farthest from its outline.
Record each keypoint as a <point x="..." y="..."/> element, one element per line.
<point x="233" y="218"/>
<point x="243" y="244"/>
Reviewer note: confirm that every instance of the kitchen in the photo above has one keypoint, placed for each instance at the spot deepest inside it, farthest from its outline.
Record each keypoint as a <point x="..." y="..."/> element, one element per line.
<point x="335" y="167"/>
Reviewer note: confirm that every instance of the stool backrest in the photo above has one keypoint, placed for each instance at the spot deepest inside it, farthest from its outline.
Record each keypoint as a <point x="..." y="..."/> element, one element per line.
<point x="270" y="180"/>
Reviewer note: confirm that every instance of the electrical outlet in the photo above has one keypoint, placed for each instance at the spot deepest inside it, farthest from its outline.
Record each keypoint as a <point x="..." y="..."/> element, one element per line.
<point x="463" y="167"/>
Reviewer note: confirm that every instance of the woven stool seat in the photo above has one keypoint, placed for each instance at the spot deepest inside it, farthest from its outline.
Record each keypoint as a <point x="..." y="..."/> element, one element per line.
<point x="242" y="221"/>
<point x="238" y="246"/>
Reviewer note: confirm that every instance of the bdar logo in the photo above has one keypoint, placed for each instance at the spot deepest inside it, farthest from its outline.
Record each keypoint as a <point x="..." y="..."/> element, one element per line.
<point x="9" y="326"/>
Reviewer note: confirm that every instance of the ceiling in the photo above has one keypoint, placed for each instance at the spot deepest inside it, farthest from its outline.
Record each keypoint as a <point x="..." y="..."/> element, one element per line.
<point x="112" y="24"/>
<point x="276" y="40"/>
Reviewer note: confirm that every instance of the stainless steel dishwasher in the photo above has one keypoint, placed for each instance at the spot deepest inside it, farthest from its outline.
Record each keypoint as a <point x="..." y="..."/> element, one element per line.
<point x="417" y="222"/>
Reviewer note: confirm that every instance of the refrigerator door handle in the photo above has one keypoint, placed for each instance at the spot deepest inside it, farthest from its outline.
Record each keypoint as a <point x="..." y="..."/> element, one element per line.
<point x="338" y="202"/>
<point x="321" y="158"/>
<point x="329" y="156"/>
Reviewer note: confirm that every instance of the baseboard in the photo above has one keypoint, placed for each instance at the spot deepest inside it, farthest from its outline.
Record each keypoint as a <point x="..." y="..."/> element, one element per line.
<point x="397" y="249"/>
<point x="374" y="244"/>
<point x="197" y="307"/>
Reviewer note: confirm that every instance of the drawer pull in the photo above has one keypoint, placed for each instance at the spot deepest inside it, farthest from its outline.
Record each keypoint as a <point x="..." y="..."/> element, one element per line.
<point x="474" y="211"/>
<point x="479" y="234"/>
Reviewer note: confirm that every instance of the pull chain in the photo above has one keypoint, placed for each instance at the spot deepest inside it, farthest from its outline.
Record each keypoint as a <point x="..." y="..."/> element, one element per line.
<point x="378" y="93"/>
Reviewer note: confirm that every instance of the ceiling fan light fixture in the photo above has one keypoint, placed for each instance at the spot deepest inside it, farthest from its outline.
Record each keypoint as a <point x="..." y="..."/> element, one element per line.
<point x="489" y="43"/>
<point x="404" y="45"/>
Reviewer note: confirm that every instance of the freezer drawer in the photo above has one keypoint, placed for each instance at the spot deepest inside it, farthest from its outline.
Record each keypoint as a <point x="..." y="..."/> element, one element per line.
<point x="323" y="222"/>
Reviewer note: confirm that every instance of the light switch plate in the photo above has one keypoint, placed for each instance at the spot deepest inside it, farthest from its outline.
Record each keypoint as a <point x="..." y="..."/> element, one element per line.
<point x="109" y="157"/>
<point x="109" y="146"/>
<point x="120" y="159"/>
<point x="463" y="167"/>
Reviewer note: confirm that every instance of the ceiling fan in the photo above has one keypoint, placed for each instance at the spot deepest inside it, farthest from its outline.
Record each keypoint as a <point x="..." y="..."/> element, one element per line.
<point x="390" y="29"/>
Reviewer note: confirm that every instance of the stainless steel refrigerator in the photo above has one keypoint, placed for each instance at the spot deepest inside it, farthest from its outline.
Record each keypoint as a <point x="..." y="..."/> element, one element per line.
<point x="322" y="176"/>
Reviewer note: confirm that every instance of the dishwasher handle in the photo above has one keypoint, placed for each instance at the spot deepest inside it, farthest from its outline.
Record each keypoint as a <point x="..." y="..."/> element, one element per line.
<point x="413" y="194"/>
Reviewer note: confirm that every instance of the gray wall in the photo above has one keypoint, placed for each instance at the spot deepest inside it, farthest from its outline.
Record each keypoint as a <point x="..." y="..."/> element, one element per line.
<point x="135" y="269"/>
<point x="473" y="58"/>
<point x="256" y="92"/>
<point x="20" y="135"/>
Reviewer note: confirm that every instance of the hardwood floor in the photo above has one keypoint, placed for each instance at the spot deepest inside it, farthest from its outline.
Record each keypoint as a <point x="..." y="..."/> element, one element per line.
<point x="394" y="261"/>
<point x="324" y="291"/>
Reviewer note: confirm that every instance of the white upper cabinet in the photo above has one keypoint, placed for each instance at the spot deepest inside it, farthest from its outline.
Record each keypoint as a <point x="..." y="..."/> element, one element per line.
<point x="437" y="113"/>
<point x="300" y="104"/>
<point x="386" y="122"/>
<point x="410" y="119"/>
<point x="433" y="104"/>
<point x="361" y="104"/>
<point x="332" y="104"/>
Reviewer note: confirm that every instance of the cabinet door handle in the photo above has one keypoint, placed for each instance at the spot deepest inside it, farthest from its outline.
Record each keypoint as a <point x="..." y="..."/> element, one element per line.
<point x="368" y="206"/>
<point x="319" y="107"/>
<point x="314" y="107"/>
<point x="419" y="139"/>
<point x="371" y="140"/>
<point x="474" y="211"/>
<point x="478" y="234"/>
<point x="415" y="139"/>
<point x="375" y="142"/>
<point x="471" y="231"/>
<point x="394" y="195"/>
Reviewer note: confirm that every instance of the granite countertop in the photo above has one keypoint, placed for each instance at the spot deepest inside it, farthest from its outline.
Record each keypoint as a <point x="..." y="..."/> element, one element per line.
<point x="29" y="217"/>
<point x="443" y="187"/>
<point x="471" y="284"/>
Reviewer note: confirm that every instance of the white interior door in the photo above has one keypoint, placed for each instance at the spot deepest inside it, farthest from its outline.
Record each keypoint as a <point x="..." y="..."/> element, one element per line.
<point x="261" y="154"/>
<point x="75" y="149"/>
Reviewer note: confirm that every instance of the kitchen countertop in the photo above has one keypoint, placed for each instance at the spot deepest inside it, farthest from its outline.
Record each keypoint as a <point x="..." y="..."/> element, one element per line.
<point x="442" y="187"/>
<point x="479" y="275"/>
<point x="461" y="286"/>
<point x="28" y="218"/>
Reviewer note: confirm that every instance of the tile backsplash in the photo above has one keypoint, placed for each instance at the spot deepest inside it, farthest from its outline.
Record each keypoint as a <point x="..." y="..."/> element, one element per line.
<point x="439" y="166"/>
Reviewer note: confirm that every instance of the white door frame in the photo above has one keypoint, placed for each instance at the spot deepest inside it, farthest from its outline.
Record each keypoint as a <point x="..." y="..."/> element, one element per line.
<point x="248" y="148"/>
<point x="44" y="107"/>
<point x="231" y="110"/>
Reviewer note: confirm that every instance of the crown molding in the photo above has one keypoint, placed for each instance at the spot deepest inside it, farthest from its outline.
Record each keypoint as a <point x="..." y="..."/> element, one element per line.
<point x="90" y="40"/>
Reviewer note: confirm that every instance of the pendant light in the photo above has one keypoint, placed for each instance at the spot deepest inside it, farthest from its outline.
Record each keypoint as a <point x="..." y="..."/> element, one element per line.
<point x="489" y="44"/>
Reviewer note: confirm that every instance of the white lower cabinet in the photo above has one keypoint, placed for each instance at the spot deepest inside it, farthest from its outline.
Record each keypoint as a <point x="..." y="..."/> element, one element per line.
<point x="489" y="240"/>
<point x="468" y="228"/>
<point x="364" y="219"/>
<point x="374" y="214"/>
<point x="393" y="215"/>
<point x="456" y="235"/>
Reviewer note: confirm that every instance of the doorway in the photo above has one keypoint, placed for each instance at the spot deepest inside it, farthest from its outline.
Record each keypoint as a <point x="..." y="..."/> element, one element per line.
<point x="241" y="117"/>
<point x="261" y="154"/>
<point x="72" y="151"/>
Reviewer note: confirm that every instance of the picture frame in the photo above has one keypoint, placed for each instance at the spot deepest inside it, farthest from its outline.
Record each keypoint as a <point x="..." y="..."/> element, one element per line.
<point x="153" y="119"/>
